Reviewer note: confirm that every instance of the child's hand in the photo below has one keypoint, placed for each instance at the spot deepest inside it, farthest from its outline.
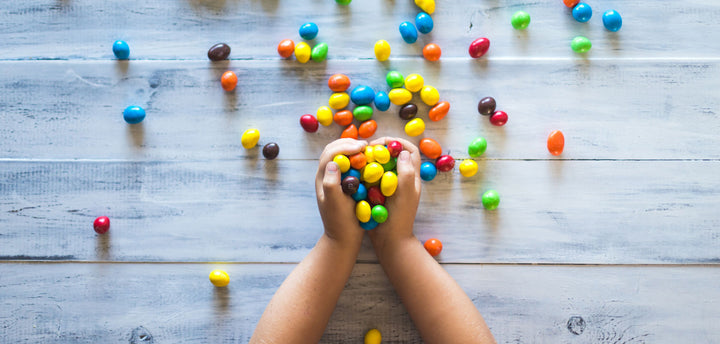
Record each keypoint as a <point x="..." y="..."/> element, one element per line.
<point x="337" y="209"/>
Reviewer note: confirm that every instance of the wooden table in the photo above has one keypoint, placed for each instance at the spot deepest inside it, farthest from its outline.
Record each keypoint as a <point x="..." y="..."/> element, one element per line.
<point x="615" y="241"/>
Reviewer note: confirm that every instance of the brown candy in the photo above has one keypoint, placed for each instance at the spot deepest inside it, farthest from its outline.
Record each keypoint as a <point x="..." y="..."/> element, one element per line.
<point x="408" y="111"/>
<point x="219" y="52"/>
<point x="271" y="150"/>
<point x="350" y="185"/>
<point x="486" y="106"/>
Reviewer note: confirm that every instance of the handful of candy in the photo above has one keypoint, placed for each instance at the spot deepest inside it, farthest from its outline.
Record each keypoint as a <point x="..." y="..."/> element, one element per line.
<point x="370" y="177"/>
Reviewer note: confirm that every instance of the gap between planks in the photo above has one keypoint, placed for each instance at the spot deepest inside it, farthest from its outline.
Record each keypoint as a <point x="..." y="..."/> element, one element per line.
<point x="399" y="58"/>
<point x="43" y="160"/>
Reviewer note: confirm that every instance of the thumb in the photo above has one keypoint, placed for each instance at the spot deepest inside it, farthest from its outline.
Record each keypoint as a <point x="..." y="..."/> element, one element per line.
<point x="406" y="172"/>
<point x="331" y="182"/>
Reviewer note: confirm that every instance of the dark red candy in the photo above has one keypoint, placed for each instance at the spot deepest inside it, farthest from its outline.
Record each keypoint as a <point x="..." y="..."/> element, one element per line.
<point x="395" y="147"/>
<point x="271" y="150"/>
<point x="219" y="52"/>
<point x="445" y="163"/>
<point x="486" y="106"/>
<point x="375" y="196"/>
<point x="479" y="47"/>
<point x="350" y="185"/>
<point x="499" y="118"/>
<point x="408" y="111"/>
<point x="309" y="123"/>
<point x="101" y="225"/>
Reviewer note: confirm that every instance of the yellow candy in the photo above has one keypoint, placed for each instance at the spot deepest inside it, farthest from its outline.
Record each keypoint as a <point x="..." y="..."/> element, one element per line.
<point x="339" y="101"/>
<point x="415" y="127"/>
<point x="343" y="162"/>
<point x="382" y="50"/>
<point x="388" y="184"/>
<point x="400" y="96"/>
<point x="363" y="211"/>
<point x="369" y="156"/>
<point x="381" y="154"/>
<point x="324" y="115"/>
<point x="373" y="337"/>
<point x="414" y="82"/>
<point x="430" y="95"/>
<point x="426" y="5"/>
<point x="372" y="173"/>
<point x="468" y="168"/>
<point x="302" y="52"/>
<point x="250" y="138"/>
<point x="219" y="278"/>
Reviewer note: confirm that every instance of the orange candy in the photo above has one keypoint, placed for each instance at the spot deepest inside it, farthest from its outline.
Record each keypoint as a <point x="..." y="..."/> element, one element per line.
<point x="432" y="52"/>
<point x="439" y="111"/>
<point x="430" y="148"/>
<point x="433" y="246"/>
<point x="350" y="132"/>
<point x="286" y="48"/>
<point x="339" y="82"/>
<point x="367" y="128"/>
<point x="228" y="81"/>
<point x="344" y="117"/>
<point x="358" y="161"/>
<point x="571" y="3"/>
<point x="556" y="142"/>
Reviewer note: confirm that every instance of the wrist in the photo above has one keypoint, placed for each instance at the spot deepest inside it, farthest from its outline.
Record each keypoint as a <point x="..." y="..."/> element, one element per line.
<point x="391" y="242"/>
<point x="350" y="242"/>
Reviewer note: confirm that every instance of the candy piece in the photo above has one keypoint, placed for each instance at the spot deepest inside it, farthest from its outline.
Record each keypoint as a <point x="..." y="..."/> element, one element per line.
<point x="408" y="111"/>
<point x="432" y="52"/>
<point x="339" y="82"/>
<point x="351" y="172"/>
<point x="520" y="20"/>
<point x="360" y="194"/>
<point x="343" y="2"/>
<point x="479" y="47"/>
<point x="372" y="173"/>
<point x="570" y="3"/>
<point x="445" y="163"/>
<point x="319" y="52"/>
<point x="388" y="184"/>
<point x="339" y="100"/>
<point x="308" y="31"/>
<point x="367" y="129"/>
<point x="350" y="185"/>
<point x="362" y="95"/>
<point x="582" y="12"/>
<point x="499" y="118"/>
<point x="369" y="156"/>
<point x="439" y="111"/>
<point x="382" y="50"/>
<point x="390" y="165"/>
<point x="375" y="196"/>
<point x="408" y="32"/>
<point x="430" y="148"/>
<point x="433" y="246"/>
<point x="133" y="114"/>
<point x="486" y="106"/>
<point x="477" y="147"/>
<point x="363" y="211"/>
<point x="250" y="138"/>
<point x="286" y="48"/>
<point x="379" y="213"/>
<point x="358" y="160"/>
<point x="414" y="82"/>
<point x="363" y="113"/>
<point x="399" y="96"/>
<point x="368" y="226"/>
<point x="612" y="20"/>
<point x="468" y="168"/>
<point x="101" y="225"/>
<point x="394" y="147"/>
<point x="381" y="154"/>
<point x="426" y="5"/>
<point x="343" y="117"/>
<point x="219" y="52"/>
<point x="271" y="150"/>
<point x="351" y="132"/>
<point x="556" y="142"/>
<point x="415" y="127"/>
<point x="219" y="278"/>
<point x="309" y="123"/>
<point x="428" y="171"/>
<point x="373" y="337"/>
<point x="429" y="95"/>
<point x="228" y="81"/>
<point x="382" y="101"/>
<point x="490" y="200"/>
<point x="324" y="115"/>
<point x="343" y="162"/>
<point x="394" y="79"/>
<point x="302" y="52"/>
<point x="121" y="50"/>
<point x="424" y="22"/>
<point x="581" y="44"/>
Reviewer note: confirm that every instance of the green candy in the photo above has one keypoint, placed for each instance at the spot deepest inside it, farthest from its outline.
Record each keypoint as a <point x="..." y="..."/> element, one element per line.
<point x="319" y="52"/>
<point x="581" y="44"/>
<point x="477" y="147"/>
<point x="390" y="165"/>
<point x="379" y="213"/>
<point x="343" y="2"/>
<point x="490" y="200"/>
<point x="363" y="113"/>
<point x="520" y="20"/>
<point x="395" y="79"/>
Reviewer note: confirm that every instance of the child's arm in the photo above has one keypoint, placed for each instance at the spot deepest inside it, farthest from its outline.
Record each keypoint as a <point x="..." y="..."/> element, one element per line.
<point x="440" y="309"/>
<point x="301" y="307"/>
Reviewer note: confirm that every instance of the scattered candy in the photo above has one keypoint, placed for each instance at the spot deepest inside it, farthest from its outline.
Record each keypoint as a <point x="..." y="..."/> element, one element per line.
<point x="121" y="50"/>
<point x="582" y="12"/>
<point x="343" y="162"/>
<point x="408" y="32"/>
<point x="344" y="117"/>
<point x="439" y="111"/>
<point x="367" y="129"/>
<point x="362" y="95"/>
<point x="520" y="20"/>
<point x="219" y="278"/>
<point x="571" y="3"/>
<point x="388" y="184"/>
<point x="382" y="101"/>
<point x="319" y="52"/>
<point x="415" y="127"/>
<point x="432" y="52"/>
<point x="339" y="100"/>
<point x="499" y="118"/>
<point x="271" y="150"/>
<point x="375" y="196"/>
<point x="228" y="81"/>
<point x="363" y="113"/>
<point x="433" y="246"/>
<point x="394" y="147"/>
<point x="581" y="44"/>
<point x="308" y="31"/>
<point x="490" y="200"/>
<point x="477" y="147"/>
<point x="250" y="138"/>
<point x="382" y="50"/>
<point x="286" y="48"/>
<point x="339" y="82"/>
<point x="556" y="142"/>
<point x="101" y="225"/>
<point x="445" y="163"/>
<point x="363" y="212"/>
<point x="324" y="115"/>
<point x="394" y="79"/>
<point x="408" y="111"/>
<point x="133" y="114"/>
<point x="373" y="337"/>
<point x="486" y="106"/>
<point x="429" y="95"/>
<point x="399" y="96"/>
<point x="428" y="171"/>
<point x="424" y="22"/>
<point x="350" y="132"/>
<point x="309" y="123"/>
<point x="360" y="194"/>
<point x="430" y="148"/>
<point x="479" y="47"/>
<point x="350" y="185"/>
<point x="219" y="52"/>
<point x="426" y="5"/>
<point x="343" y="2"/>
<point x="468" y="168"/>
<point x="302" y="52"/>
<point x="414" y="82"/>
<point x="372" y="173"/>
<point x="612" y="20"/>
<point x="379" y="213"/>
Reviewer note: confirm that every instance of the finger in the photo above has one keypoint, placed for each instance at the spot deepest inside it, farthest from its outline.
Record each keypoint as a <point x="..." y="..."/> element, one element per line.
<point x="406" y="172"/>
<point x="342" y="146"/>
<point x="332" y="191"/>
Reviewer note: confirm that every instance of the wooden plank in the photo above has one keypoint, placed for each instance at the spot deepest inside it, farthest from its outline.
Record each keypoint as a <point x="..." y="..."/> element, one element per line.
<point x="258" y="210"/>
<point x="186" y="29"/>
<point x="88" y="303"/>
<point x="607" y="109"/>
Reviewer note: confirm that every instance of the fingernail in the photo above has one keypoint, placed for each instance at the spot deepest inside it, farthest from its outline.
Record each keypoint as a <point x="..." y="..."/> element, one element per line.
<point x="332" y="167"/>
<point x="404" y="156"/>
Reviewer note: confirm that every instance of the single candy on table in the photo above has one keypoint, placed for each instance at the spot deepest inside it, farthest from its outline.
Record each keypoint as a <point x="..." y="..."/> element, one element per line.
<point x="367" y="129"/>
<point x="350" y="185"/>
<point x="499" y="118"/>
<point x="382" y="50"/>
<point x="309" y="123"/>
<point x="388" y="183"/>
<point x="400" y="96"/>
<point x="362" y="95"/>
<point x="556" y="142"/>
<point x="133" y="114"/>
<point x="351" y="132"/>
<point x="343" y="162"/>
<point x="343" y="117"/>
<point x="582" y="12"/>
<point x="375" y="196"/>
<point x="319" y="52"/>
<point x="432" y="52"/>
<point x="228" y="81"/>
<point x="408" y="32"/>
<point x="324" y="115"/>
<point x="477" y="147"/>
<point x="490" y="200"/>
<point x="426" y="5"/>
<point x="250" y="138"/>
<point x="445" y="163"/>
<point x="414" y="82"/>
<point x="339" y="100"/>
<point x="373" y="337"/>
<point x="580" y="44"/>
<point x="363" y="113"/>
<point x="612" y="20"/>
<point x="433" y="247"/>
<point x="429" y="95"/>
<point x="302" y="52"/>
<point x="339" y="82"/>
<point x="479" y="47"/>
<point x="428" y="171"/>
<point x="468" y="168"/>
<point x="394" y="79"/>
<point x="286" y="48"/>
<point x="101" y="224"/>
<point x="424" y="23"/>
<point x="430" y="148"/>
<point x="372" y="173"/>
<point x="520" y="20"/>
<point x="360" y="194"/>
<point x="271" y="150"/>
<point x="486" y="106"/>
<point x="379" y="213"/>
<point x="415" y="127"/>
<point x="381" y="154"/>
<point x="121" y="50"/>
<point x="219" y="52"/>
<point x="408" y="111"/>
<point x="308" y="31"/>
<point x="382" y="101"/>
<point x="439" y="111"/>
<point x="363" y="212"/>
<point x="370" y="225"/>
<point x="219" y="278"/>
<point x="394" y="147"/>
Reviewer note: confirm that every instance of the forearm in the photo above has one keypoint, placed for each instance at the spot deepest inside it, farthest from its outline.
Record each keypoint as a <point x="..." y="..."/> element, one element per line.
<point x="301" y="307"/>
<point x="440" y="309"/>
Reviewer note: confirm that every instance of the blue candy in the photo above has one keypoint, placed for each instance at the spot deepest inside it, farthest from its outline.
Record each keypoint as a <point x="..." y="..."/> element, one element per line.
<point x="382" y="101"/>
<point x="121" y="50"/>
<point x="582" y="12"/>
<point x="362" y="95"/>
<point x="408" y="32"/>
<point x="134" y="114"/>
<point x="612" y="20"/>
<point x="360" y="194"/>
<point x="424" y="22"/>
<point x="351" y="172"/>
<point x="370" y="225"/>
<point x="308" y="31"/>
<point x="428" y="171"/>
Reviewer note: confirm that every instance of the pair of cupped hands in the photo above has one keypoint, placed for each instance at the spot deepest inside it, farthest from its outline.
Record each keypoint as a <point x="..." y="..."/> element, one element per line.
<point x="337" y="209"/>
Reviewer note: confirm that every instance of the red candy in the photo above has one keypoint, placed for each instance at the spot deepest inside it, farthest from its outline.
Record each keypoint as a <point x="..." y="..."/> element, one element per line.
<point x="479" y="47"/>
<point x="499" y="118"/>
<point x="445" y="163"/>
<point x="375" y="196"/>
<point x="101" y="224"/>
<point x="395" y="147"/>
<point x="309" y="123"/>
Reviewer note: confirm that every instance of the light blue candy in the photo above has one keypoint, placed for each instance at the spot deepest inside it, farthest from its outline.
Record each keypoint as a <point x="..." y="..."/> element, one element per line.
<point x="424" y="22"/>
<point x="360" y="194"/>
<point x="408" y="32"/>
<point x="612" y="20"/>
<point x="351" y="172"/>
<point x="362" y="95"/>
<point x="370" y="225"/>
<point x="308" y="31"/>
<point x="582" y="12"/>
<point x="382" y="101"/>
<point x="121" y="50"/>
<point x="134" y="114"/>
<point x="428" y="171"/>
